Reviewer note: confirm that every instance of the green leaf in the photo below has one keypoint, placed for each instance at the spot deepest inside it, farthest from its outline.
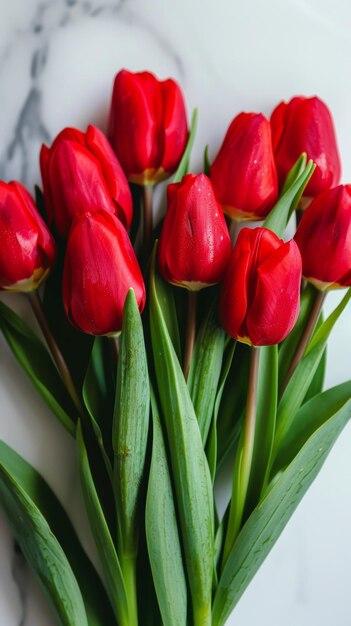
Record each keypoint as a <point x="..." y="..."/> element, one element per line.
<point x="295" y="172"/>
<point x="232" y="404"/>
<point x="289" y="346"/>
<point x="190" y="471"/>
<point x="104" y="543"/>
<point x="42" y="550"/>
<point x="309" y="418"/>
<point x="207" y="164"/>
<point x="75" y="345"/>
<point x="249" y="477"/>
<point x="130" y="425"/>
<point x="268" y="520"/>
<point x="317" y="383"/>
<point x="205" y="370"/>
<point x="98" y="399"/>
<point x="278" y="218"/>
<point x="34" y="358"/>
<point x="168" y="306"/>
<point x="162" y="536"/>
<point x="301" y="379"/>
<point x="267" y="394"/>
<point x="98" y="388"/>
<point x="212" y="443"/>
<point x="184" y="163"/>
<point x="98" y="608"/>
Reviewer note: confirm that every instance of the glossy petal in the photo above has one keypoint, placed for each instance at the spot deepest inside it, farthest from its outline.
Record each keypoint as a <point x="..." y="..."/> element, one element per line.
<point x="80" y="173"/>
<point x="147" y="125"/>
<point x="194" y="245"/>
<point x="306" y="125"/>
<point x="276" y="303"/>
<point x="100" y="267"/>
<point x="27" y="247"/>
<point x="260" y="296"/>
<point x="324" y="239"/>
<point x="175" y="126"/>
<point x="244" y="174"/>
<point x="77" y="184"/>
<point x="113" y="173"/>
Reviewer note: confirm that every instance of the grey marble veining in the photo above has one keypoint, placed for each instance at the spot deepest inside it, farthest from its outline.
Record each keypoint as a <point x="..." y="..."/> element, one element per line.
<point x="30" y="130"/>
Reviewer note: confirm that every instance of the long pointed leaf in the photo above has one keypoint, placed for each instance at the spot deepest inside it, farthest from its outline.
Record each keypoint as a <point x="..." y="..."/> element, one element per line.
<point x="98" y="608"/>
<point x="301" y="379"/>
<point x="278" y="218"/>
<point x="268" y="520"/>
<point x="43" y="552"/>
<point x="267" y="394"/>
<point x="308" y="418"/>
<point x="205" y="370"/>
<point x="189" y="464"/>
<point x="38" y="365"/>
<point x="107" y="552"/>
<point x="130" y="424"/>
<point x="162" y="533"/>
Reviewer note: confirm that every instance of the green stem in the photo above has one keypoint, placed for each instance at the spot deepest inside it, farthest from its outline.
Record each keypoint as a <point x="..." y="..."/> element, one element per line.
<point x="306" y="336"/>
<point x="55" y="351"/>
<point x="190" y="331"/>
<point x="128" y="567"/>
<point x="147" y="219"/>
<point x="243" y="462"/>
<point x="203" y="617"/>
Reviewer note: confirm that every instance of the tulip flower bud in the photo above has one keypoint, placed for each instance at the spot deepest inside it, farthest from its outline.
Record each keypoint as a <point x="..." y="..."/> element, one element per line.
<point x="243" y="174"/>
<point x="81" y="173"/>
<point x="100" y="267"/>
<point x="324" y="239"/>
<point x="306" y="125"/>
<point x="147" y="126"/>
<point x="194" y="246"/>
<point x="260" y="297"/>
<point x="28" y="249"/>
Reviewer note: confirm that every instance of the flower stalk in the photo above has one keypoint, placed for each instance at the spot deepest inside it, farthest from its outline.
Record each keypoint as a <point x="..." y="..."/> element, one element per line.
<point x="190" y="331"/>
<point x="306" y="336"/>
<point x="37" y="307"/>
<point x="244" y="457"/>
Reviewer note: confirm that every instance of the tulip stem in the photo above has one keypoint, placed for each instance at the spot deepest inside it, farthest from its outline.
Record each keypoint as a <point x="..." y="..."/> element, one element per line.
<point x="147" y="219"/>
<point x="37" y="307"/>
<point x="190" y="331"/>
<point x="128" y="567"/>
<point x="244" y="455"/>
<point x="306" y="336"/>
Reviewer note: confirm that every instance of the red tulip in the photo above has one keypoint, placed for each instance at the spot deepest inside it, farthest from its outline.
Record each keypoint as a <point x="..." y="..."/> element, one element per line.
<point x="324" y="239"/>
<point x="81" y="173"/>
<point x="243" y="174"/>
<point x="147" y="126"/>
<point x="194" y="246"/>
<point x="28" y="249"/>
<point x="100" y="267"/>
<point x="306" y="125"/>
<point x="260" y="297"/>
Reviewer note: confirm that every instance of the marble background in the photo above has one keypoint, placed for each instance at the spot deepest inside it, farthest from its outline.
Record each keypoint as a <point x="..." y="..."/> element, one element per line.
<point x="57" y="62"/>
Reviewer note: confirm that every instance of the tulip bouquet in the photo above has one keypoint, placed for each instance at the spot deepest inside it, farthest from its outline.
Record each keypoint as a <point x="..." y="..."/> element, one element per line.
<point x="168" y="352"/>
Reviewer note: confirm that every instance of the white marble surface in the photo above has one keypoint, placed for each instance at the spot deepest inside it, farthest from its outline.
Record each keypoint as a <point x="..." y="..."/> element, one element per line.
<point x="57" y="62"/>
